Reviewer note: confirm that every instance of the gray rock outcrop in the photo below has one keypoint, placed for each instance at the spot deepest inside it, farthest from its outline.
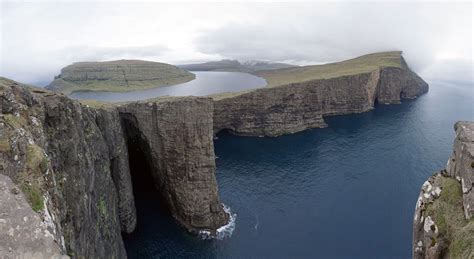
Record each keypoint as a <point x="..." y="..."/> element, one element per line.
<point x="22" y="232"/>
<point x="177" y="136"/>
<point x="72" y="160"/>
<point x="443" y="226"/>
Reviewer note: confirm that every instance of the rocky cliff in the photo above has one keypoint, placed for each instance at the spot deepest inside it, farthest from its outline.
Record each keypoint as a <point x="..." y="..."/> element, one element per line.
<point x="117" y="76"/>
<point x="298" y="98"/>
<point x="443" y="225"/>
<point x="176" y="135"/>
<point x="75" y="164"/>
<point x="72" y="164"/>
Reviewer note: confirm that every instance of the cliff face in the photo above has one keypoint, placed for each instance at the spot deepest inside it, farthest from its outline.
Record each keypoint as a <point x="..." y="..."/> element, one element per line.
<point x="75" y="164"/>
<point x="120" y="75"/>
<point x="54" y="150"/>
<point x="289" y="108"/>
<point x="72" y="164"/>
<point x="177" y="137"/>
<point x="443" y="225"/>
<point x="25" y="235"/>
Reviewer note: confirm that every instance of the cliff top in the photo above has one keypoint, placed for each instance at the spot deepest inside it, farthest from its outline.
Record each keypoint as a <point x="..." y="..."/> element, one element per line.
<point x="362" y="64"/>
<point x="118" y="76"/>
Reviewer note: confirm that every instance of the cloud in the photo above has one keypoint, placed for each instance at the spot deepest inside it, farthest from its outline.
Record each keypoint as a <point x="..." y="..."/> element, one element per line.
<point x="38" y="39"/>
<point x="309" y="33"/>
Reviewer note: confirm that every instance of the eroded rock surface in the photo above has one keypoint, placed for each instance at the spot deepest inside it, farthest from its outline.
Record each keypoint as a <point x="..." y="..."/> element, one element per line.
<point x="443" y="226"/>
<point x="72" y="162"/>
<point x="53" y="148"/>
<point x="294" y="107"/>
<point x="23" y="234"/>
<point x="177" y="136"/>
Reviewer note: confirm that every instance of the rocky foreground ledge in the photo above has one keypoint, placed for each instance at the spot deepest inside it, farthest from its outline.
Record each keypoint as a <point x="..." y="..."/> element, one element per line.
<point x="443" y="226"/>
<point x="71" y="161"/>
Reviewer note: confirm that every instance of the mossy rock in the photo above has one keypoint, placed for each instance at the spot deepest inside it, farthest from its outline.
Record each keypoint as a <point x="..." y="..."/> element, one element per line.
<point x="31" y="179"/>
<point x="15" y="121"/>
<point x="4" y="145"/>
<point x="447" y="212"/>
<point x="33" y="195"/>
<point x="36" y="161"/>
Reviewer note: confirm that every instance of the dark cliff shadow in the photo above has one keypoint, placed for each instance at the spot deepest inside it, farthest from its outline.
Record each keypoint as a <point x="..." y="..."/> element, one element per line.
<point x="149" y="202"/>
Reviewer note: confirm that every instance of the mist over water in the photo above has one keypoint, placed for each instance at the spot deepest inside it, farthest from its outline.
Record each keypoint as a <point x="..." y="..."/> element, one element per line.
<point x="346" y="191"/>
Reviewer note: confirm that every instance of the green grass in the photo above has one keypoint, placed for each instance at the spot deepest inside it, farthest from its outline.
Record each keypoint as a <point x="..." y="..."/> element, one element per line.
<point x="31" y="179"/>
<point x="102" y="208"/>
<point x="111" y="86"/>
<point x="4" y="145"/>
<point x="118" y="76"/>
<point x="447" y="213"/>
<point x="33" y="196"/>
<point x="15" y="121"/>
<point x="362" y="64"/>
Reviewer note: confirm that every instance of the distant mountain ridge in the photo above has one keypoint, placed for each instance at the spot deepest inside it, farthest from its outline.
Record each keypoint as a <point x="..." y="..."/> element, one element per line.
<point x="229" y="65"/>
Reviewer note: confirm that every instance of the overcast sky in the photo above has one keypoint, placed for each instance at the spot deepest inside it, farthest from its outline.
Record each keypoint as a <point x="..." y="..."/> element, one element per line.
<point x="38" y="39"/>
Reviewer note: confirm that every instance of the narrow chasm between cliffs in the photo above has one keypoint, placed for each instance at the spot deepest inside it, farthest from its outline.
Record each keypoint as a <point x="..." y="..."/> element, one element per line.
<point x="152" y="211"/>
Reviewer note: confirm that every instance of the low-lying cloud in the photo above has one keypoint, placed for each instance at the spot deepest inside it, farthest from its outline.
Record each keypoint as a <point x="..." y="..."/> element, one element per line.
<point x="38" y="39"/>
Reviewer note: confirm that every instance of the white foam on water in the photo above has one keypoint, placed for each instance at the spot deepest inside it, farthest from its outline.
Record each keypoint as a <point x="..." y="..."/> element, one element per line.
<point x="224" y="231"/>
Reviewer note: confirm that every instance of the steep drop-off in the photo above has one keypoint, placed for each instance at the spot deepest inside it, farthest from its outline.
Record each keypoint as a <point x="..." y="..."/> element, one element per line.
<point x="118" y="76"/>
<point x="443" y="225"/>
<point x="298" y="98"/>
<point x="72" y="163"/>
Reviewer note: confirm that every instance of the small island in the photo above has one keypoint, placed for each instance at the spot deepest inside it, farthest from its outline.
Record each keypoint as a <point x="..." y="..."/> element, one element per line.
<point x="118" y="76"/>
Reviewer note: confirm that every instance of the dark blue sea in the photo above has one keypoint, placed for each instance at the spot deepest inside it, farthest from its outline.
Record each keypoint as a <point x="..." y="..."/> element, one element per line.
<point x="346" y="191"/>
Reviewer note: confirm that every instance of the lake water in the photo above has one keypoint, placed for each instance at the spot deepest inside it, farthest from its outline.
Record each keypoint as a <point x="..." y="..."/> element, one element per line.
<point x="346" y="191"/>
<point x="206" y="83"/>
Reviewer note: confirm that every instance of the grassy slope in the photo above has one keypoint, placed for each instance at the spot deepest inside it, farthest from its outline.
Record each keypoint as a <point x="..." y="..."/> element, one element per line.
<point x="362" y="64"/>
<point x="447" y="212"/>
<point x="154" y="74"/>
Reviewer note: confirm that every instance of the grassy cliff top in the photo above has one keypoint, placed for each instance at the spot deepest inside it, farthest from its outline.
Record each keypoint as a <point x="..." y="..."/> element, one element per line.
<point x="362" y="64"/>
<point x="118" y="76"/>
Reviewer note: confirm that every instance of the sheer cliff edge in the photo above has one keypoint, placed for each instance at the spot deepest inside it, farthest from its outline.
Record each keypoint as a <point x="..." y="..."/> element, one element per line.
<point x="70" y="160"/>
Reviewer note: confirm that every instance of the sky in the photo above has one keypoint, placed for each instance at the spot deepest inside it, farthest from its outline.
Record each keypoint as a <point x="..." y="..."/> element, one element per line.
<point x="37" y="39"/>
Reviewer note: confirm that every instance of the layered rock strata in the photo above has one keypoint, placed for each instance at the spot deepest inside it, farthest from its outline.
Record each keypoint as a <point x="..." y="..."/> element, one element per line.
<point x="177" y="136"/>
<point x="71" y="161"/>
<point x="294" y="107"/>
<point x="443" y="225"/>
<point x="117" y="76"/>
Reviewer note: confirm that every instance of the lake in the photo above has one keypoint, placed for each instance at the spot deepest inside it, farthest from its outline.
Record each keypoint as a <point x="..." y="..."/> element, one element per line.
<point x="346" y="191"/>
<point x="206" y="83"/>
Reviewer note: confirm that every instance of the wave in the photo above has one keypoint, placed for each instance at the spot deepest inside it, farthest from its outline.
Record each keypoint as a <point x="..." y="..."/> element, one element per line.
<point x="224" y="231"/>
